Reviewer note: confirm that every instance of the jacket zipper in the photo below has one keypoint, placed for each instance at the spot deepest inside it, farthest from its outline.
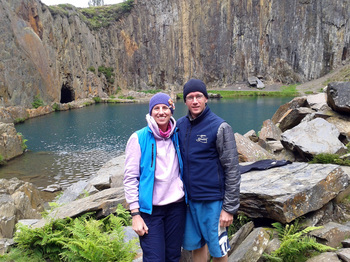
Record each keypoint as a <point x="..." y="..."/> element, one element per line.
<point x="188" y="135"/>
<point x="152" y="155"/>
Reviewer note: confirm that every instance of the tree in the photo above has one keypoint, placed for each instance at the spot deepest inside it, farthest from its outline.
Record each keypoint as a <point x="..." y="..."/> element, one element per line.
<point x="96" y="2"/>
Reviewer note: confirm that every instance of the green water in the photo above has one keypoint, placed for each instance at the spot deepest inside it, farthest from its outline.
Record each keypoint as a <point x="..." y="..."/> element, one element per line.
<point x="68" y="146"/>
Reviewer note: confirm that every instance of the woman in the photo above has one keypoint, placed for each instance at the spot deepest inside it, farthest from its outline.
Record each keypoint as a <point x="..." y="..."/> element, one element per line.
<point x="153" y="185"/>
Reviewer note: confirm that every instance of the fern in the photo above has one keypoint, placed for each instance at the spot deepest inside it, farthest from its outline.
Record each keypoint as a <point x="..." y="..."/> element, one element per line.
<point x="78" y="239"/>
<point x="295" y="246"/>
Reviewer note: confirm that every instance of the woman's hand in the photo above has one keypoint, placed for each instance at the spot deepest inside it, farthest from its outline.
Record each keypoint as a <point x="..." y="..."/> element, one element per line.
<point x="139" y="226"/>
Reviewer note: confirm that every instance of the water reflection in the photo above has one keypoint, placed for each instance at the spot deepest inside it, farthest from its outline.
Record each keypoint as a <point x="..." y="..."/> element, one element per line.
<point x="69" y="146"/>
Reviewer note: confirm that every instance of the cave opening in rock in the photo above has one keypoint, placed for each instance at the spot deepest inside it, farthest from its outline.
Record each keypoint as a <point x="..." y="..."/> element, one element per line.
<point x="67" y="94"/>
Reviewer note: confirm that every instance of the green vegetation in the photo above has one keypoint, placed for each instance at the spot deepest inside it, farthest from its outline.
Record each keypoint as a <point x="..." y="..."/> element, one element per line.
<point x="78" y="239"/>
<point x="127" y="97"/>
<point x="92" y="69"/>
<point x="290" y="90"/>
<point x="326" y="158"/>
<point x="61" y="10"/>
<point x="24" y="146"/>
<point x="295" y="246"/>
<point x="97" y="99"/>
<point x="343" y="76"/>
<point x="108" y="73"/>
<point x="56" y="107"/>
<point x="2" y="162"/>
<point x="19" y="120"/>
<point x="152" y="91"/>
<point x="103" y="16"/>
<point x="37" y="101"/>
<point x="238" y="222"/>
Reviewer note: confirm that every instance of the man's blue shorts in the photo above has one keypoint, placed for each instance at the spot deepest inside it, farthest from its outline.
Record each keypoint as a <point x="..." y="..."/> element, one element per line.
<point x="203" y="227"/>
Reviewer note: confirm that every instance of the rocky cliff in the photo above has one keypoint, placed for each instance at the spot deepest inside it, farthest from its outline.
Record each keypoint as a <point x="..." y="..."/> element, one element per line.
<point x="159" y="44"/>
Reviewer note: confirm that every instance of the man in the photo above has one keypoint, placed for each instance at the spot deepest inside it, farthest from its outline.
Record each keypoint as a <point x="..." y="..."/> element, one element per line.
<point x="211" y="175"/>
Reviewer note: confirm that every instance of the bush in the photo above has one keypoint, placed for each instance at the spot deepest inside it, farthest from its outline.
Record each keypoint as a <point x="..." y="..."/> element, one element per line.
<point x="56" y="107"/>
<point x="97" y="99"/>
<point x="19" y="120"/>
<point x="91" y="69"/>
<point x="108" y="73"/>
<point x="37" y="101"/>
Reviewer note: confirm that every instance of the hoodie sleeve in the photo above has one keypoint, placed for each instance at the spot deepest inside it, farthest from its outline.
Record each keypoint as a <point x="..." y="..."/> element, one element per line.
<point x="132" y="171"/>
<point x="226" y="146"/>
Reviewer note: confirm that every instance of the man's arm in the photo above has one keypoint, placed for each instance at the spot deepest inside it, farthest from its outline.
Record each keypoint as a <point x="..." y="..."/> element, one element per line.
<point x="227" y="149"/>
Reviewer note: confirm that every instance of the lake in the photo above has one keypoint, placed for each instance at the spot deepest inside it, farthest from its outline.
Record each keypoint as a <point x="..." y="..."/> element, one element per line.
<point x="67" y="146"/>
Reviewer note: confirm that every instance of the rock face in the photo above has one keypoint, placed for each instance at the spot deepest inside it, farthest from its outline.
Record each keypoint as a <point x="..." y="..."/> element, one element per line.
<point x="47" y="51"/>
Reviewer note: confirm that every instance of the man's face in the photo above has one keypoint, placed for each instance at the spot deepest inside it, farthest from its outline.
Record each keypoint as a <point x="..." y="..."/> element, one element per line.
<point x="195" y="101"/>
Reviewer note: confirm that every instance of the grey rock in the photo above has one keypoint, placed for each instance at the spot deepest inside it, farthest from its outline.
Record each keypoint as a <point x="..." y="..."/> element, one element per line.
<point x="270" y="132"/>
<point x="240" y="235"/>
<point x="312" y="138"/>
<point x="248" y="151"/>
<point x="338" y="97"/>
<point x="332" y="234"/>
<point x="104" y="203"/>
<point x="10" y="141"/>
<point x="252" y="247"/>
<point x="344" y="254"/>
<point x="325" y="257"/>
<point x="288" y="192"/>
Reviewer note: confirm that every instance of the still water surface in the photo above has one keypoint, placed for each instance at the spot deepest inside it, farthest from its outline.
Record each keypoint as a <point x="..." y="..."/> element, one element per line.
<point x="68" y="146"/>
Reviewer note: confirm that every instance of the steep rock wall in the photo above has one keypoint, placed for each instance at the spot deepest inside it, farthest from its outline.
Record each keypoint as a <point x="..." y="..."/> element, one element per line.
<point x="162" y="43"/>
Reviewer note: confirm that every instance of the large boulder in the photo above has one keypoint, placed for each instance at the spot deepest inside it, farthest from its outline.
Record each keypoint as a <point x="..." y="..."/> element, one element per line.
<point x="103" y="203"/>
<point x="311" y="138"/>
<point x="283" y="109"/>
<point x="10" y="141"/>
<point x="338" y="96"/>
<point x="18" y="200"/>
<point x="291" y="191"/>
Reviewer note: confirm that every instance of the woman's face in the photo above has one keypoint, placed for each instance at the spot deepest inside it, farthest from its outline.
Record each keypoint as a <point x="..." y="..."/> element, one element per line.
<point x="161" y="113"/>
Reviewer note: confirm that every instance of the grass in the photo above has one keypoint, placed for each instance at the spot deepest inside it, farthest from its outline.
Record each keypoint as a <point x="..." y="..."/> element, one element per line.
<point x="326" y="158"/>
<point x="290" y="90"/>
<point x="343" y="75"/>
<point x="152" y="91"/>
<point x="95" y="17"/>
<point x="103" y="16"/>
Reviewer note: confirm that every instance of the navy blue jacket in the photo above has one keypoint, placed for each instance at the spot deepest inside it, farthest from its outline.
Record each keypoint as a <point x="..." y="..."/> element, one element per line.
<point x="211" y="170"/>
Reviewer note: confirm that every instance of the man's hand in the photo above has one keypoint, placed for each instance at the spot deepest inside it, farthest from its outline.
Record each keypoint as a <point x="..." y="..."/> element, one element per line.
<point x="139" y="226"/>
<point x="226" y="219"/>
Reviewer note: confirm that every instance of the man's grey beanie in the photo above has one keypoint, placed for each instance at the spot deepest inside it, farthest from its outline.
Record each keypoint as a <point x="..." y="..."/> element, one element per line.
<point x="194" y="85"/>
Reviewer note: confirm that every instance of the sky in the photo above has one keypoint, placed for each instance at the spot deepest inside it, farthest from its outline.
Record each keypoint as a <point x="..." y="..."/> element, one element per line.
<point x="78" y="3"/>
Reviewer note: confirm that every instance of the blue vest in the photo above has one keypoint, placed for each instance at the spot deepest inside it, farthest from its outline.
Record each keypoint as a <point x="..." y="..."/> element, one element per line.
<point x="147" y="166"/>
<point x="203" y="174"/>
